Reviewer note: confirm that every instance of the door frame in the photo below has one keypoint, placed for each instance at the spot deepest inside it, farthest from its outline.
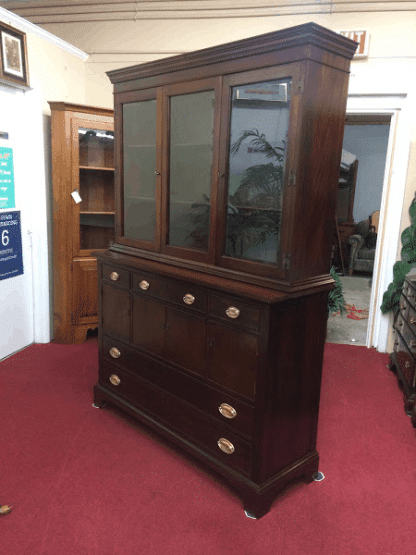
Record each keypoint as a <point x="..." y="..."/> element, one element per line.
<point x="394" y="185"/>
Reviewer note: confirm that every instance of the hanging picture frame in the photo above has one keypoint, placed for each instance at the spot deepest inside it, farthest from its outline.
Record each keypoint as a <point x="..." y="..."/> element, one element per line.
<point x="13" y="58"/>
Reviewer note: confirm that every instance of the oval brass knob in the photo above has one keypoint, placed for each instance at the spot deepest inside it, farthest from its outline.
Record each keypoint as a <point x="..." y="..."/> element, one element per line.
<point x="114" y="379"/>
<point x="189" y="299"/>
<point x="403" y="306"/>
<point x="227" y="410"/>
<point x="144" y="285"/>
<point x="413" y="343"/>
<point x="114" y="276"/>
<point x="226" y="446"/>
<point x="413" y="320"/>
<point x="232" y="312"/>
<point x="114" y="352"/>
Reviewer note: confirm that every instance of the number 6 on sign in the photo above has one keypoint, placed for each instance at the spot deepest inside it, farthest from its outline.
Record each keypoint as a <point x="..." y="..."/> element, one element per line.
<point x="5" y="239"/>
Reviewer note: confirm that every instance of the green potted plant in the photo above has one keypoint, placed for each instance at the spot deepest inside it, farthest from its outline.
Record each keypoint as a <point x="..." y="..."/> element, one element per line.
<point x="401" y="268"/>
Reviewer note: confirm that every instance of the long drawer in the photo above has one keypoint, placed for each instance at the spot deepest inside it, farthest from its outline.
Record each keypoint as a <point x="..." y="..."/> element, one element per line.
<point x="179" y="416"/>
<point x="234" y="413"/>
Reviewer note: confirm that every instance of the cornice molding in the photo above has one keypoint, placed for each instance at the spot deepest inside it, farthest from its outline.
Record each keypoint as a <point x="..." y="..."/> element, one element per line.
<point x="44" y="12"/>
<point x="27" y="27"/>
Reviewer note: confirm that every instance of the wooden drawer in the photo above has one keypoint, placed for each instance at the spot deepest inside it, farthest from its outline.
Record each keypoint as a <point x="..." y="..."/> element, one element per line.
<point x="176" y="415"/>
<point x="404" y="307"/>
<point x="182" y="294"/>
<point x="409" y="291"/>
<point x="231" y="309"/>
<point x="116" y="276"/>
<point x="149" y="284"/>
<point x="404" y="359"/>
<point x="205" y="398"/>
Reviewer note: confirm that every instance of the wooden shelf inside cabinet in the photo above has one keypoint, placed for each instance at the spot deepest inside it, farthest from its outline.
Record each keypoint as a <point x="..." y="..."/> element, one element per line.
<point x="82" y="161"/>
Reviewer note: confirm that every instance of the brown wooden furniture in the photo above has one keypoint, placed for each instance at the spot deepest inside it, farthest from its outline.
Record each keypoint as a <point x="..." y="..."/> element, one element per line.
<point x="83" y="212"/>
<point x="213" y="297"/>
<point x="403" y="357"/>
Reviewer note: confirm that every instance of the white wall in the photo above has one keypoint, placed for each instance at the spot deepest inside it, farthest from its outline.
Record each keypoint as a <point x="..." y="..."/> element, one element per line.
<point x="369" y="144"/>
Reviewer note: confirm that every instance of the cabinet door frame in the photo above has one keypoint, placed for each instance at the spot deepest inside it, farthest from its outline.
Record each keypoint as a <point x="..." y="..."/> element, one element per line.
<point x="169" y="91"/>
<point x="76" y="123"/>
<point x="294" y="72"/>
<point x="120" y="100"/>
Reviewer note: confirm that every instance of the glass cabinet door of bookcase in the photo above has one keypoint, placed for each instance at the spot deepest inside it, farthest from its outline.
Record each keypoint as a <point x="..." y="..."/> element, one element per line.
<point x="256" y="165"/>
<point x="139" y="170"/>
<point x="96" y="188"/>
<point x="190" y="170"/>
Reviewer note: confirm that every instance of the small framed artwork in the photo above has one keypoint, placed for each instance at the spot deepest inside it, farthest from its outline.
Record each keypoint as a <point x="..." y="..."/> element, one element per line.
<point x="13" y="59"/>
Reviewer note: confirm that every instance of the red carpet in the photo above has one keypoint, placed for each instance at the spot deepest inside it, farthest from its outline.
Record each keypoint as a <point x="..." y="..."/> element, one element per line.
<point x="94" y="482"/>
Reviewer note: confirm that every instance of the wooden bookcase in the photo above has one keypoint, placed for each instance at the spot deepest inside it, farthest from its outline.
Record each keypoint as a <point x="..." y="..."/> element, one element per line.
<point x="83" y="212"/>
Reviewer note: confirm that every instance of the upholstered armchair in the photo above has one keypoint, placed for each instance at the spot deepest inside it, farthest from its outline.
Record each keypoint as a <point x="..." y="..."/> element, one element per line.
<point x="363" y="245"/>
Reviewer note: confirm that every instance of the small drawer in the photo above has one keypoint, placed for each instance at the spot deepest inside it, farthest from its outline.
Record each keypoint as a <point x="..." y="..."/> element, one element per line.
<point x="233" y="310"/>
<point x="404" y="307"/>
<point x="116" y="276"/>
<point x="411" y="296"/>
<point x="182" y="419"/>
<point x="151" y="285"/>
<point x="411" y="319"/>
<point x="187" y="295"/>
<point x="408" y="337"/>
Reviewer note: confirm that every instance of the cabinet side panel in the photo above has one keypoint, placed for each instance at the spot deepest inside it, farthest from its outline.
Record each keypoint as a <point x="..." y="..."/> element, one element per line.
<point x="62" y="230"/>
<point x="293" y="378"/>
<point x="319" y="149"/>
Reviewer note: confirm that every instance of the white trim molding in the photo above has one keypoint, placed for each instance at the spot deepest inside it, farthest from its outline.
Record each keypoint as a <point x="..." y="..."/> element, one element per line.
<point x="28" y="27"/>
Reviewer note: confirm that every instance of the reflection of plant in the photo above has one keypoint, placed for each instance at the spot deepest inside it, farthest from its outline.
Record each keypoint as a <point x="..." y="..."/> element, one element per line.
<point x="254" y="209"/>
<point x="199" y="224"/>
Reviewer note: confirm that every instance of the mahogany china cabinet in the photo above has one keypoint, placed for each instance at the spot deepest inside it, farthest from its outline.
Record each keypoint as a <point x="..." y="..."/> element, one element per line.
<point x="213" y="297"/>
<point x="83" y="213"/>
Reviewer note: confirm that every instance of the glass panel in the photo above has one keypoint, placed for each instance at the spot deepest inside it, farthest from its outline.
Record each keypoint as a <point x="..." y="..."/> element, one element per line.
<point x="191" y="143"/>
<point x="96" y="188"/>
<point x="259" y="127"/>
<point x="139" y="158"/>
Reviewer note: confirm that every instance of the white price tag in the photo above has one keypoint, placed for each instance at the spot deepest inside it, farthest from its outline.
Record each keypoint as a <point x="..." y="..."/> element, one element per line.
<point x="75" y="195"/>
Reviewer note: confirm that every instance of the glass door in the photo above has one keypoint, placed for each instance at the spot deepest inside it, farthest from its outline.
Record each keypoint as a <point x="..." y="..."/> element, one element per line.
<point x="141" y="172"/>
<point x="191" y="169"/>
<point x="258" y="107"/>
<point x="94" y="196"/>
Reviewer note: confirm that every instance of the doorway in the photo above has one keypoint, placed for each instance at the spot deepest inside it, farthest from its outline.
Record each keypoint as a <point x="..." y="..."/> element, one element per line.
<point x="362" y="178"/>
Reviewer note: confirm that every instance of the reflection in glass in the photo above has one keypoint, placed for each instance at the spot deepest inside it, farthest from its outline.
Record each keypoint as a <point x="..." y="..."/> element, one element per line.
<point x="191" y="140"/>
<point x="139" y="170"/>
<point x="259" y="126"/>
<point x="96" y="188"/>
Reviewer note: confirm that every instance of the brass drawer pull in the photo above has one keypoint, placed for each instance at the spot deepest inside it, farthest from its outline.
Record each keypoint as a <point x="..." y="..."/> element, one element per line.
<point x="114" y="352"/>
<point x="114" y="276"/>
<point x="403" y="306"/>
<point x="144" y="285"/>
<point x="227" y="411"/>
<point x="232" y="312"/>
<point x="413" y="320"/>
<point x="114" y="379"/>
<point x="226" y="446"/>
<point x="413" y="344"/>
<point x="189" y="299"/>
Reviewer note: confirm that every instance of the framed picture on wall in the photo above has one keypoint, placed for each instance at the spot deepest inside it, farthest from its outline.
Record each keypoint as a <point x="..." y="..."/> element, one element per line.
<point x="13" y="59"/>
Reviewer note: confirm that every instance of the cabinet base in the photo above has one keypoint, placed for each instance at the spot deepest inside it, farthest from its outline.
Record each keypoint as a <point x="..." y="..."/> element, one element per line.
<point x="257" y="497"/>
<point x="409" y="398"/>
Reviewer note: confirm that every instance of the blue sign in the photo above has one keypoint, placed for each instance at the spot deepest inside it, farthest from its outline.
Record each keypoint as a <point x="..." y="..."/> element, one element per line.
<point x="6" y="178"/>
<point x="11" y="259"/>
